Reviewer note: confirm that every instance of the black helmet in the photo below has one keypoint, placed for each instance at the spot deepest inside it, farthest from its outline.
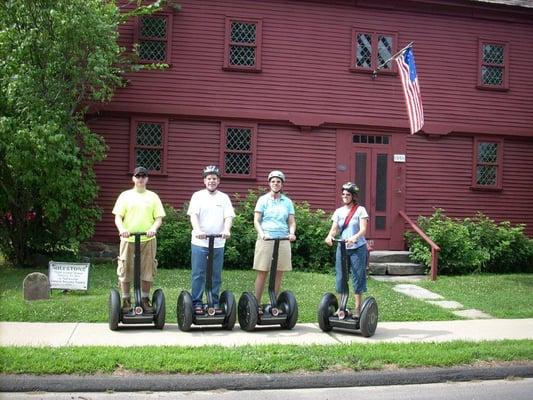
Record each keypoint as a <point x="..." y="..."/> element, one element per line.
<point x="211" y="170"/>
<point x="350" y="187"/>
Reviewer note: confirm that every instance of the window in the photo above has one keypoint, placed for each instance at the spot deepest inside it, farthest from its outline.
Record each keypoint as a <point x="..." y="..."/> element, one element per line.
<point x="487" y="168"/>
<point x="242" y="49"/>
<point x="154" y="38"/>
<point x="493" y="67"/>
<point x="148" y="139"/>
<point x="372" y="49"/>
<point x="238" y="150"/>
<point x="371" y="139"/>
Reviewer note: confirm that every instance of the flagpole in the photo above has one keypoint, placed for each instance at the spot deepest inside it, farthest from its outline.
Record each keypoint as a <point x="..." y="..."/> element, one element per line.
<point x="375" y="72"/>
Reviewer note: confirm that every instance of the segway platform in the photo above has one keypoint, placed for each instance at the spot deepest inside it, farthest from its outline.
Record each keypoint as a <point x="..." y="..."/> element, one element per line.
<point x="137" y="315"/>
<point x="331" y="315"/>
<point x="226" y="315"/>
<point x="282" y="311"/>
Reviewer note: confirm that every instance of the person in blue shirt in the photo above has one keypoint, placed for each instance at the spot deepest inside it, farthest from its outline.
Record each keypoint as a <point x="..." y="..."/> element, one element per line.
<point x="350" y="223"/>
<point x="273" y="218"/>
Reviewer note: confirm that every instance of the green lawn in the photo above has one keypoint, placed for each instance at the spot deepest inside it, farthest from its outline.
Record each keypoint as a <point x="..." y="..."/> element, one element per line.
<point x="256" y="359"/>
<point x="503" y="296"/>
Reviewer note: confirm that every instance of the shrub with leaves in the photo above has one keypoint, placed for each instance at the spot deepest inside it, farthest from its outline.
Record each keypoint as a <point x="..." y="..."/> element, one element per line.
<point x="474" y="244"/>
<point x="309" y="252"/>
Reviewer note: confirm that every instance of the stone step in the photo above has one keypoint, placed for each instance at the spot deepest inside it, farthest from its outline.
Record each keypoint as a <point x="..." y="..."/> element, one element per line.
<point x="395" y="268"/>
<point x="379" y="256"/>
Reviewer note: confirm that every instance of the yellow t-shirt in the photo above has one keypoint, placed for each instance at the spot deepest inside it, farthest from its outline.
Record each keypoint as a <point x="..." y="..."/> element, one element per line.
<point x="138" y="210"/>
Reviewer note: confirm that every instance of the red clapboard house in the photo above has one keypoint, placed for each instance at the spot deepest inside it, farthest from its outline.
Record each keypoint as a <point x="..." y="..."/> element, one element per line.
<point x="257" y="85"/>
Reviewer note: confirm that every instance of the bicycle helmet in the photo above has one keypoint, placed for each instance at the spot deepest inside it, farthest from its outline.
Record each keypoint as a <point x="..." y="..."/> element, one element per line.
<point x="211" y="170"/>
<point x="276" y="174"/>
<point x="350" y="187"/>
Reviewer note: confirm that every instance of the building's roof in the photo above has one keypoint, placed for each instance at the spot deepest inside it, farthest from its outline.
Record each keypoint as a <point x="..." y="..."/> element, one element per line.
<point x="517" y="3"/>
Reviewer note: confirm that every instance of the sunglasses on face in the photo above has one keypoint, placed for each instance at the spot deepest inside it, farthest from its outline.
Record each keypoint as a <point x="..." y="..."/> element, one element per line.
<point x="140" y="176"/>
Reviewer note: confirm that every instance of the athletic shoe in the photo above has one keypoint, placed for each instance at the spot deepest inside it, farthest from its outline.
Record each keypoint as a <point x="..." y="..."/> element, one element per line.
<point x="126" y="306"/>
<point x="145" y="304"/>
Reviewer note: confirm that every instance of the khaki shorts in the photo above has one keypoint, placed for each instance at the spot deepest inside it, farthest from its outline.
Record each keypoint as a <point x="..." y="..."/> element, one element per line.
<point x="126" y="257"/>
<point x="263" y="255"/>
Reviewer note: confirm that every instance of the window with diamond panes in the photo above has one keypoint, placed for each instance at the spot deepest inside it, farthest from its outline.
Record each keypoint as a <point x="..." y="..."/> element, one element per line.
<point x="238" y="156"/>
<point x="488" y="163"/>
<point x="370" y="50"/>
<point x="149" y="146"/>
<point x="153" y="43"/>
<point x="493" y="65"/>
<point x="243" y="45"/>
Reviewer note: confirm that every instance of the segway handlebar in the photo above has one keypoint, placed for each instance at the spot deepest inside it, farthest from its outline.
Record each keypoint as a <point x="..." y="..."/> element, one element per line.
<point x="218" y="235"/>
<point x="281" y="238"/>
<point x="339" y="240"/>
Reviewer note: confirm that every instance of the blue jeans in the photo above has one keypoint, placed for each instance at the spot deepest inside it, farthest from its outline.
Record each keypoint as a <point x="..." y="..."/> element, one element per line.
<point x="357" y="267"/>
<point x="199" y="272"/>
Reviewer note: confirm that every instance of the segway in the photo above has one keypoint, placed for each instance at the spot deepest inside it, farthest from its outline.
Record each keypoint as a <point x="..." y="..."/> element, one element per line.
<point x="329" y="319"/>
<point x="282" y="311"/>
<point x="137" y="315"/>
<point x="209" y="316"/>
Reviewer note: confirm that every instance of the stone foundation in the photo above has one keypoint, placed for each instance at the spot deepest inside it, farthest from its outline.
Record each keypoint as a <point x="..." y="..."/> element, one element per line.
<point x="98" y="252"/>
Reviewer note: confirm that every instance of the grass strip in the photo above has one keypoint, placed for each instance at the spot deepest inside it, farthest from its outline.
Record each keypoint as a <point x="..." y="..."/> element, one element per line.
<point x="256" y="359"/>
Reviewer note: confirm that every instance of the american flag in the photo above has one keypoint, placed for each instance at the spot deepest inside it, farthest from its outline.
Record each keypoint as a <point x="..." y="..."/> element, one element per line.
<point x="411" y="90"/>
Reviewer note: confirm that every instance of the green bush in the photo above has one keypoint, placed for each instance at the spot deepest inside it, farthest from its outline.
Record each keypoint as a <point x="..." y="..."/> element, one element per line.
<point x="309" y="252"/>
<point x="474" y="244"/>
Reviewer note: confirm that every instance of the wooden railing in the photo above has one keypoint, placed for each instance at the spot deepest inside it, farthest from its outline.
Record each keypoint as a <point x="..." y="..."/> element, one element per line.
<point x="434" y="248"/>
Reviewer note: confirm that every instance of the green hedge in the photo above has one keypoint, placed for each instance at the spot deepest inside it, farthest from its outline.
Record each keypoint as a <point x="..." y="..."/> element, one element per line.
<point x="309" y="252"/>
<point x="475" y="244"/>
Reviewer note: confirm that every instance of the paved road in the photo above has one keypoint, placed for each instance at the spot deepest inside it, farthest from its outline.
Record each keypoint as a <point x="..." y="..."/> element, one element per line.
<point x="516" y="389"/>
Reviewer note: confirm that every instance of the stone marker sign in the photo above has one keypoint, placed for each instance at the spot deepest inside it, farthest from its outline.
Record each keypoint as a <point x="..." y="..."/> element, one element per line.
<point x="67" y="275"/>
<point x="36" y="286"/>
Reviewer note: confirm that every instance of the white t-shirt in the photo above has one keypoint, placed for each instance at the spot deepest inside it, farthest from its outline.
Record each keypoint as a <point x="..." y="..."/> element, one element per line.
<point x="339" y="216"/>
<point x="211" y="209"/>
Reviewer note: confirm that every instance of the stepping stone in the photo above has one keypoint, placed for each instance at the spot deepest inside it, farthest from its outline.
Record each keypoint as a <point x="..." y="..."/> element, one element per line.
<point x="417" y="292"/>
<point x="447" y="304"/>
<point x="473" y="314"/>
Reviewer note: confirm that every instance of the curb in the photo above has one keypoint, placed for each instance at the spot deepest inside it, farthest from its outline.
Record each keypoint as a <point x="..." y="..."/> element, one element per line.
<point x="181" y="382"/>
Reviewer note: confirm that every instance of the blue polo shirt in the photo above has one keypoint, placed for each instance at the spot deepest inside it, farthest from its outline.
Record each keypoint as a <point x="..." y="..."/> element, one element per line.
<point x="275" y="215"/>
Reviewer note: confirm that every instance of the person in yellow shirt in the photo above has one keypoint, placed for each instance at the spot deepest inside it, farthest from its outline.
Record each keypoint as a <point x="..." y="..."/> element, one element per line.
<point x="137" y="210"/>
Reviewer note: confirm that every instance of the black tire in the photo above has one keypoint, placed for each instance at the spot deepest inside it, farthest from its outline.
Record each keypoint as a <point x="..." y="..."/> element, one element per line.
<point x="158" y="302"/>
<point x="227" y="303"/>
<point x="327" y="307"/>
<point x="114" y="309"/>
<point x="287" y="302"/>
<point x="184" y="311"/>
<point x="248" y="312"/>
<point x="368" y="321"/>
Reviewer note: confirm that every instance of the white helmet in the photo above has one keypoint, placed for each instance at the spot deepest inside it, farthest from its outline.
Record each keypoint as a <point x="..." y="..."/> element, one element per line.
<point x="211" y="170"/>
<point x="276" y="174"/>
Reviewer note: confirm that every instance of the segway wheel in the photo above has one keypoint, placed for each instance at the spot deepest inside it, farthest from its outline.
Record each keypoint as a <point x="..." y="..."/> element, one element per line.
<point x="287" y="302"/>
<point x="184" y="311"/>
<point x="248" y="311"/>
<point x="368" y="321"/>
<point x="114" y="309"/>
<point x="227" y="303"/>
<point x="158" y="301"/>
<point x="327" y="307"/>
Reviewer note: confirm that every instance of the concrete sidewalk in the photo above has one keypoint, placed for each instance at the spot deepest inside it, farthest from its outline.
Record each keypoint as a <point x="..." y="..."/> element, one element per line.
<point x="98" y="334"/>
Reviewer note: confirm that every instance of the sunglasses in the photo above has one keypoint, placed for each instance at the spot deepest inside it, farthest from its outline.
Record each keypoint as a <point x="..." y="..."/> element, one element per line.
<point x="139" y="176"/>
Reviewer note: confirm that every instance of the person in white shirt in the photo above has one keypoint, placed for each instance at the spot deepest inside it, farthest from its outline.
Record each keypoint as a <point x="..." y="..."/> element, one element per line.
<point x="211" y="213"/>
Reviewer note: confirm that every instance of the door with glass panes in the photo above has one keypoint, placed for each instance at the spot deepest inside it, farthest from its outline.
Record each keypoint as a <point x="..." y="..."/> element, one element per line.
<point x="371" y="160"/>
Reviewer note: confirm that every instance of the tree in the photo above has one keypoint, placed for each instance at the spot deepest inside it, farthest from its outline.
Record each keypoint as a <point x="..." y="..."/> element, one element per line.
<point x="55" y="57"/>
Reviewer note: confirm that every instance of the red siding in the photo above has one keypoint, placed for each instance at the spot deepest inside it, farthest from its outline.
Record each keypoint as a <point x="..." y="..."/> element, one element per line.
<point x="305" y="81"/>
<point x="445" y="166"/>
<point x="308" y="160"/>
<point x="305" y="66"/>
